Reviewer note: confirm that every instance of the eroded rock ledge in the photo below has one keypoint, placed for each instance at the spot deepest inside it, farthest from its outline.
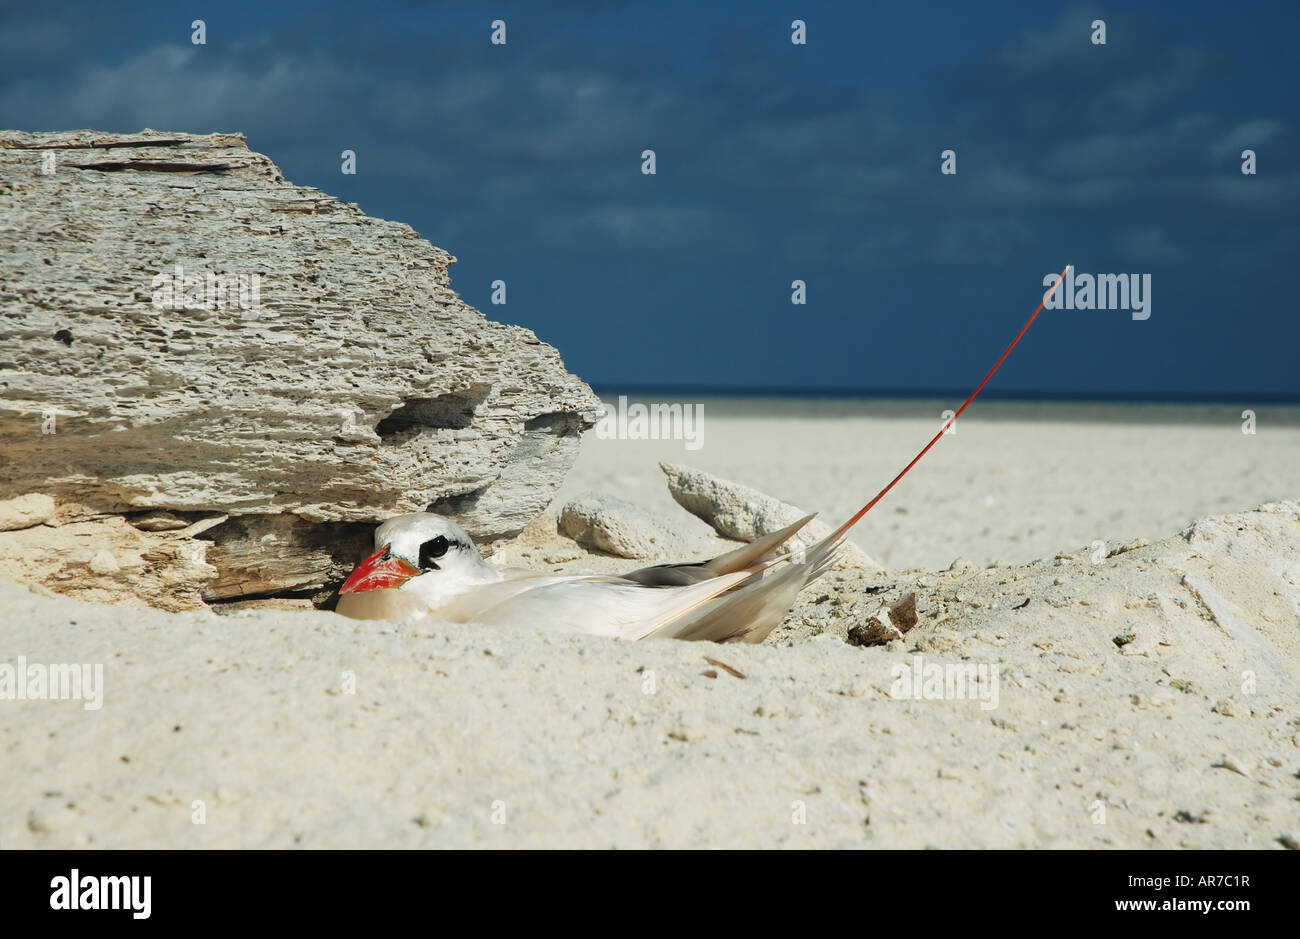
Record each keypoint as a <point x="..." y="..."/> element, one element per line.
<point x="182" y="330"/>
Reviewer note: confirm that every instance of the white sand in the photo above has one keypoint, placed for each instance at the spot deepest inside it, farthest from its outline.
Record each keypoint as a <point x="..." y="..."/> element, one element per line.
<point x="1186" y="735"/>
<point x="1015" y="482"/>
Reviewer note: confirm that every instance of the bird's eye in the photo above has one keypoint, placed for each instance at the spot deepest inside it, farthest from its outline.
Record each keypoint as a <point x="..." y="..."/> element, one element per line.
<point x="431" y="550"/>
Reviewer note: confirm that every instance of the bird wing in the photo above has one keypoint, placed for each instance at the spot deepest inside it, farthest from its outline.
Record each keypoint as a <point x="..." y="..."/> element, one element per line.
<point x="738" y="605"/>
<point x="746" y="613"/>
<point x="605" y="606"/>
<point x="744" y="557"/>
<point x="749" y="611"/>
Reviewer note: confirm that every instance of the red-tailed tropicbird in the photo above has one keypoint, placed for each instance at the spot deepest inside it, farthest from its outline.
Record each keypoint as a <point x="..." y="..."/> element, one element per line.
<point x="426" y="565"/>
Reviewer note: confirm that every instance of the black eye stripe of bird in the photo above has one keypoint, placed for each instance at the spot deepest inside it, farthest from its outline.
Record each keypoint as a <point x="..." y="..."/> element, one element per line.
<point x="427" y="565"/>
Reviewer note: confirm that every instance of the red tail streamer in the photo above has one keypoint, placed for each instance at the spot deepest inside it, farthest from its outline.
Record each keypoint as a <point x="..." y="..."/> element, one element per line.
<point x="926" y="449"/>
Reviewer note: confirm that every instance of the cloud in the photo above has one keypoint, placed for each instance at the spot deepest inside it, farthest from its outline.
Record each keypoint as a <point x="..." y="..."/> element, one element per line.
<point x="1122" y="154"/>
<point x="1147" y="243"/>
<point x="1251" y="134"/>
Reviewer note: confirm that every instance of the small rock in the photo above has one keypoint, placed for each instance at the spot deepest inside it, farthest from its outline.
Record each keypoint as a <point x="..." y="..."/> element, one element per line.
<point x="158" y="521"/>
<point x="619" y="527"/>
<point x="103" y="562"/>
<point x="903" y="613"/>
<point x="26" y="511"/>
<point x="874" y="632"/>
<point x="887" y="624"/>
<point x="745" y="514"/>
<point x="1237" y="766"/>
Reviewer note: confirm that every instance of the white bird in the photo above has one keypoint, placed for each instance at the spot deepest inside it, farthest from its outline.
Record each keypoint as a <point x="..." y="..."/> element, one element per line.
<point x="426" y="565"/>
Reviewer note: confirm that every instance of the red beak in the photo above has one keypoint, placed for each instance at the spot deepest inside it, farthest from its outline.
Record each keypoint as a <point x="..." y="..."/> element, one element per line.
<point x="378" y="572"/>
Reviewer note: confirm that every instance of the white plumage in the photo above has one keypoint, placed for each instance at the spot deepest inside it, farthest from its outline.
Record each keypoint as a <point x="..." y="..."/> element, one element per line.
<point x="427" y="565"/>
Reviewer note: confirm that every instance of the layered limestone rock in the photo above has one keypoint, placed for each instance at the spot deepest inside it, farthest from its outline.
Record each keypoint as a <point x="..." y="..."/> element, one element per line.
<point x="183" y="330"/>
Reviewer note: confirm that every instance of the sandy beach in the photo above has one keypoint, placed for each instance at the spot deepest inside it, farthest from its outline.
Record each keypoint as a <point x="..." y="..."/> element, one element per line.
<point x="1016" y="481"/>
<point x="1107" y="654"/>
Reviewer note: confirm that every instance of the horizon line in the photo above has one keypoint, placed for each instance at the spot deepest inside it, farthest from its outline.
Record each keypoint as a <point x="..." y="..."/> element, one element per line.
<point x="1065" y="397"/>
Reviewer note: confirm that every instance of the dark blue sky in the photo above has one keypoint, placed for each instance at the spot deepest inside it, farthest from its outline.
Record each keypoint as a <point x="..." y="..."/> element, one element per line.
<point x="776" y="162"/>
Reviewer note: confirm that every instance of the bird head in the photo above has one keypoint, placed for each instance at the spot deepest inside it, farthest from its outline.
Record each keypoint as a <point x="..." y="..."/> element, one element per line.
<point x="423" y="552"/>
